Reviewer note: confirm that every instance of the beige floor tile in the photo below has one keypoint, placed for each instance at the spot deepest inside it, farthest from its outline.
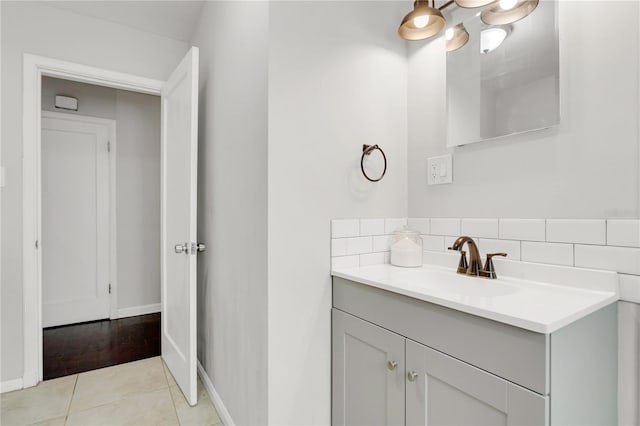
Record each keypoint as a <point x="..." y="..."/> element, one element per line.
<point x="48" y="400"/>
<point x="170" y="379"/>
<point x="58" y="421"/>
<point x="110" y="384"/>
<point x="203" y="414"/>
<point x="148" y="408"/>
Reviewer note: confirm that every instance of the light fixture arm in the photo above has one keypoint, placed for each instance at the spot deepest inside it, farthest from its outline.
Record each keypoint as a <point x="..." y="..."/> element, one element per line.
<point x="444" y="6"/>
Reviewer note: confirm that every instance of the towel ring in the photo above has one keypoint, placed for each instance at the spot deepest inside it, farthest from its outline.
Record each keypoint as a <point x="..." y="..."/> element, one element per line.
<point x="367" y="150"/>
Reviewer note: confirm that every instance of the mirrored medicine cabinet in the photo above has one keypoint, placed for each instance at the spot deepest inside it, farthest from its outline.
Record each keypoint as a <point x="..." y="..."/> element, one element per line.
<point x="505" y="79"/>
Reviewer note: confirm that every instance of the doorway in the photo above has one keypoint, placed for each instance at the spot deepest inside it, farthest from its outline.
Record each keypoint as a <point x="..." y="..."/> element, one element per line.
<point x="178" y="245"/>
<point x="100" y="294"/>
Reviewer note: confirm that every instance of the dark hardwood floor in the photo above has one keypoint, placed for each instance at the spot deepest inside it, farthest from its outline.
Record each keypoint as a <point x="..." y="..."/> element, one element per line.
<point x="75" y="348"/>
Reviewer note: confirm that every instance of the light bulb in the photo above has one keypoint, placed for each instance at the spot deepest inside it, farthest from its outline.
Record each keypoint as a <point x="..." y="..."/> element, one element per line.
<point x="491" y="39"/>
<point x="449" y="34"/>
<point x="421" y="21"/>
<point x="507" y="4"/>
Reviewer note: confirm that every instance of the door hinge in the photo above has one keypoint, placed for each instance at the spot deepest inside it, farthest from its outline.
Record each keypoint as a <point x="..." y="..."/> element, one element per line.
<point x="108" y="146"/>
<point x="109" y="288"/>
<point x="37" y="245"/>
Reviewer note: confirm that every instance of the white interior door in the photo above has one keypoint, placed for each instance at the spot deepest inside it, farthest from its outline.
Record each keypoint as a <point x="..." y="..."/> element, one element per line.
<point x="75" y="221"/>
<point x="179" y="248"/>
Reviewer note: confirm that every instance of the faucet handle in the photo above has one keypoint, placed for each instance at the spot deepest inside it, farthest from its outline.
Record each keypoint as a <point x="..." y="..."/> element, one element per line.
<point x="463" y="265"/>
<point x="489" y="269"/>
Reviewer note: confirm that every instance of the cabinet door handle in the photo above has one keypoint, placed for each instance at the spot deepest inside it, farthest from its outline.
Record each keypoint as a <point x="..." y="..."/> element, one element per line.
<point x="412" y="376"/>
<point x="391" y="365"/>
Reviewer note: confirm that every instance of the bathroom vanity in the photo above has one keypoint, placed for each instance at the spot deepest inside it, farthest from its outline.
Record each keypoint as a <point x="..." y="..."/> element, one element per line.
<point x="428" y="346"/>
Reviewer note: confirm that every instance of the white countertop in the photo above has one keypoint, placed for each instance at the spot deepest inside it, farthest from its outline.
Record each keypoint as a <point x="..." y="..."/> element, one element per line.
<point x="535" y="306"/>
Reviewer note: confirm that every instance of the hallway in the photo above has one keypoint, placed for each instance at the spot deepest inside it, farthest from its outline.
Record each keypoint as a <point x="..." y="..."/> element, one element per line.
<point x="77" y="348"/>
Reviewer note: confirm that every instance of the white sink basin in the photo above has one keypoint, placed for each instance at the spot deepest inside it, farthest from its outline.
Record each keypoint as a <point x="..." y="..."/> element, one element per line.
<point x="535" y="306"/>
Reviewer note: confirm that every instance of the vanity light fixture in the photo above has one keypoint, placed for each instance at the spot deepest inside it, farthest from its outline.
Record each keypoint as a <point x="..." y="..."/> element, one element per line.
<point x="422" y="22"/>
<point x="470" y="4"/>
<point x="491" y="39"/>
<point x="425" y="20"/>
<point x="457" y="37"/>
<point x="507" y="11"/>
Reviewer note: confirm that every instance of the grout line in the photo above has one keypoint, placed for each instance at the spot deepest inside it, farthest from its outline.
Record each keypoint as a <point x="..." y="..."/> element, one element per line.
<point x="173" y="402"/>
<point x="73" y="393"/>
<point x="165" y="370"/>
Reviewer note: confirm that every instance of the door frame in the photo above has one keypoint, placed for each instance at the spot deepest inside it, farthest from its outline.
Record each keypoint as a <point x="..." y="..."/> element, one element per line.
<point x="113" y="236"/>
<point x="34" y="68"/>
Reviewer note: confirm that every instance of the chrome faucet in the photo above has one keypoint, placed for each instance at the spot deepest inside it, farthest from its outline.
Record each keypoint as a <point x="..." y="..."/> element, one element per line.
<point x="474" y="266"/>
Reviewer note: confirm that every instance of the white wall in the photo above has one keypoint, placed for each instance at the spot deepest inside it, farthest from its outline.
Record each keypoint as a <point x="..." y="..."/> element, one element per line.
<point x="587" y="167"/>
<point x="138" y="198"/>
<point x="232" y="204"/>
<point x="137" y="180"/>
<point x="337" y="80"/>
<point x="33" y="27"/>
<point x="93" y="101"/>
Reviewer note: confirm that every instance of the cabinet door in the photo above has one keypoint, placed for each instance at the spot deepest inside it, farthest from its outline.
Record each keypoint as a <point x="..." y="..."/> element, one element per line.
<point x="442" y="390"/>
<point x="368" y="373"/>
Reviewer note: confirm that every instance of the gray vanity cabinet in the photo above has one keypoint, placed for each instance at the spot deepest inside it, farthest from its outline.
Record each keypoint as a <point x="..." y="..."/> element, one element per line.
<point x="398" y="360"/>
<point x="441" y="390"/>
<point x="368" y="373"/>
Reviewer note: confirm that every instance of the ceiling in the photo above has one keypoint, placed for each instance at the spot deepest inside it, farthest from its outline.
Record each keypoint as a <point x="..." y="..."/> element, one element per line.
<point x="173" y="19"/>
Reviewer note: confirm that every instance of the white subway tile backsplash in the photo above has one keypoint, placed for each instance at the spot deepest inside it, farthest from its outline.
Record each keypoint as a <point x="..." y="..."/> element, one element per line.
<point x="551" y="253"/>
<point x="381" y="243"/>
<point x="522" y="229"/>
<point x="480" y="228"/>
<point x="432" y="243"/>
<point x="359" y="245"/>
<point x="620" y="259"/>
<point x="445" y="226"/>
<point x="345" y="228"/>
<point x="579" y="231"/>
<point x="371" y="227"/>
<point x="371" y="259"/>
<point x="612" y="245"/>
<point x="512" y="248"/>
<point x="448" y="242"/>
<point x="338" y="247"/>
<point x="623" y="232"/>
<point x="420" y="224"/>
<point x="345" y="262"/>
<point x="630" y="288"/>
<point x="391" y="225"/>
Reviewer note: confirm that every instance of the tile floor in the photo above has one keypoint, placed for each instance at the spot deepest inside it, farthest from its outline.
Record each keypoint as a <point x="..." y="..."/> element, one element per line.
<point x="138" y="393"/>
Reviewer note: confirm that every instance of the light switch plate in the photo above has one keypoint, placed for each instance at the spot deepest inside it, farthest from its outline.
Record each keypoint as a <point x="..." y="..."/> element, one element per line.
<point x="439" y="170"/>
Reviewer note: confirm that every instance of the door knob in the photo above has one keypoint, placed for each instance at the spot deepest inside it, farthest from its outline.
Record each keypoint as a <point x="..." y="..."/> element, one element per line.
<point x="412" y="376"/>
<point x="181" y="248"/>
<point x="197" y="248"/>
<point x="391" y="365"/>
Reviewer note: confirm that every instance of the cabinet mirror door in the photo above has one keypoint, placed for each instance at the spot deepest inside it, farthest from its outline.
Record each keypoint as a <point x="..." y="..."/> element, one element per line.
<point x="444" y="391"/>
<point x="368" y="373"/>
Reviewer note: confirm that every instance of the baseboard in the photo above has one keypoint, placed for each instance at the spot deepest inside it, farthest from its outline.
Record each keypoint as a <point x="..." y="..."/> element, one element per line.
<point x="30" y="378"/>
<point x="10" y="385"/>
<point x="139" y="310"/>
<point x="215" y="398"/>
